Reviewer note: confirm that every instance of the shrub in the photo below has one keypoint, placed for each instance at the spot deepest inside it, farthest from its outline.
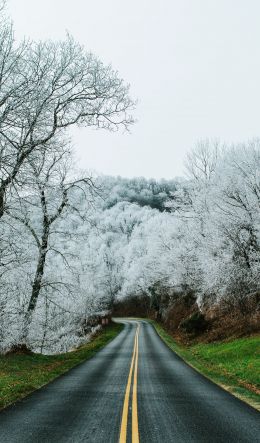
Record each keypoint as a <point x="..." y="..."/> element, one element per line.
<point x="195" y="323"/>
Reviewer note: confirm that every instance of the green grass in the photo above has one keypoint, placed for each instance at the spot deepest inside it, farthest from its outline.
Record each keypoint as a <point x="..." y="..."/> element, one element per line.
<point x="21" y="374"/>
<point x="235" y="364"/>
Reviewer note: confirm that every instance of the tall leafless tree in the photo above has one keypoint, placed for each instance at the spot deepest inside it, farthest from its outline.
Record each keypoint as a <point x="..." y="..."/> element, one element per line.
<point x="47" y="191"/>
<point x="45" y="88"/>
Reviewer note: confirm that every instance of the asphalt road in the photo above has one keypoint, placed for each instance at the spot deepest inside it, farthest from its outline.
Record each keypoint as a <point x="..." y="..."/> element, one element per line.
<point x="134" y="390"/>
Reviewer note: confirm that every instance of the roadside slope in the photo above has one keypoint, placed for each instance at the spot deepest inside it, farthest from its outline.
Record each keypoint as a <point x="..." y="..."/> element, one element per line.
<point x="234" y="364"/>
<point x="22" y="374"/>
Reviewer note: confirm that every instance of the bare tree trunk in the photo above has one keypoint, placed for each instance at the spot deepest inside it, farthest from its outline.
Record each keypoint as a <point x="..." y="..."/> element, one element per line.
<point x="11" y="177"/>
<point x="45" y="325"/>
<point x="2" y="199"/>
<point x="36" y="287"/>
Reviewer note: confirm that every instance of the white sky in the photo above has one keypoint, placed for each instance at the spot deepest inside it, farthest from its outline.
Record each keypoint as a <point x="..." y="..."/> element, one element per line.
<point x="194" y="66"/>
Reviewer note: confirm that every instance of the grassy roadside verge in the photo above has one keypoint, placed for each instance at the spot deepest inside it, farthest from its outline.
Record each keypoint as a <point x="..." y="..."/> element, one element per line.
<point x="234" y="365"/>
<point x="21" y="374"/>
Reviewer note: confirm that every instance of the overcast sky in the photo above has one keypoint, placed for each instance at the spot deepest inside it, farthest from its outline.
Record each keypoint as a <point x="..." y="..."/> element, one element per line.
<point x="193" y="65"/>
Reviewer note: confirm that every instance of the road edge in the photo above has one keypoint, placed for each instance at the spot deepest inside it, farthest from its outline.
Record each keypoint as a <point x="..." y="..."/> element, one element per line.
<point x="229" y="388"/>
<point x="94" y="346"/>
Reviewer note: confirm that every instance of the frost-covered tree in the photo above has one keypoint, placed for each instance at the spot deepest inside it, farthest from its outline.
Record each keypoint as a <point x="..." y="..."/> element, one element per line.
<point x="51" y="194"/>
<point x="220" y="205"/>
<point x="45" y="88"/>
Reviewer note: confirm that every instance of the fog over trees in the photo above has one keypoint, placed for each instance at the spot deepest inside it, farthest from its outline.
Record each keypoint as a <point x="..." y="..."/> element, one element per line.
<point x="71" y="244"/>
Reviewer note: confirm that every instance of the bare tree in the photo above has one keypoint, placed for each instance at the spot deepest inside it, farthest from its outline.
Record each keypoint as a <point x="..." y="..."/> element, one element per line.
<point x="201" y="161"/>
<point x="45" y="88"/>
<point x="47" y="193"/>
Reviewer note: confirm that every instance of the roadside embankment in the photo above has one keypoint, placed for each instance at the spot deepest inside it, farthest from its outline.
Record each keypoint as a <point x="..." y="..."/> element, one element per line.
<point x="21" y="374"/>
<point x="234" y="364"/>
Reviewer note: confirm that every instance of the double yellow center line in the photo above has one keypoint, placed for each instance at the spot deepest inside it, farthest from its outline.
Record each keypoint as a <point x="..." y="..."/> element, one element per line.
<point x="133" y="370"/>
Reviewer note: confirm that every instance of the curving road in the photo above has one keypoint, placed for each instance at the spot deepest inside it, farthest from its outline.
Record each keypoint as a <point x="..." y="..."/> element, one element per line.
<point x="134" y="390"/>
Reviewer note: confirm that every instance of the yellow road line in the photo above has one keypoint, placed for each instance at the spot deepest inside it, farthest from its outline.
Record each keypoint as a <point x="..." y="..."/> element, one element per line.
<point x="135" y="432"/>
<point x="123" y="430"/>
<point x="133" y="369"/>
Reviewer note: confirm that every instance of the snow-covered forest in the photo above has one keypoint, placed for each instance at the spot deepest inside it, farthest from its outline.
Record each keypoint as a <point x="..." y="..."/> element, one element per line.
<point x="71" y="244"/>
<point x="118" y="238"/>
<point x="200" y="246"/>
